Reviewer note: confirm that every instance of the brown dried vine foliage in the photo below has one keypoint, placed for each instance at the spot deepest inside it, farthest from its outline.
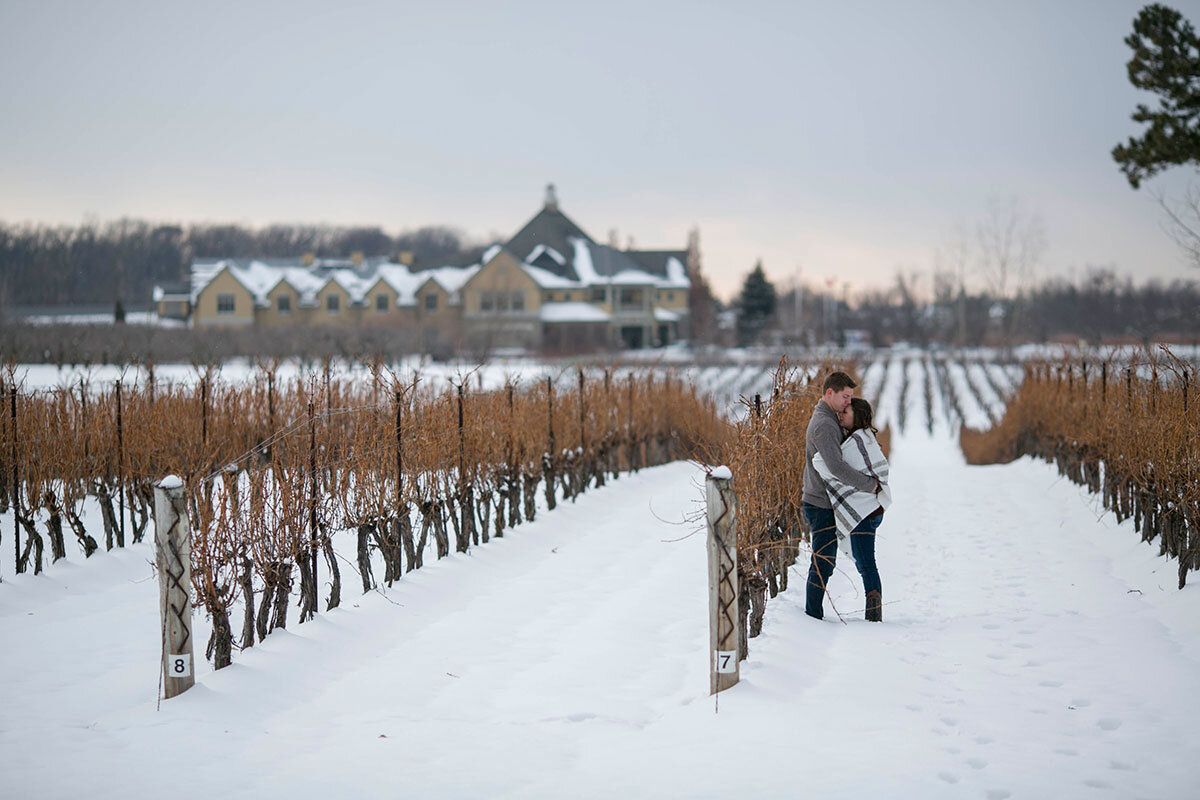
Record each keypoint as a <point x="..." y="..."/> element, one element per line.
<point x="1129" y="431"/>
<point x="268" y="482"/>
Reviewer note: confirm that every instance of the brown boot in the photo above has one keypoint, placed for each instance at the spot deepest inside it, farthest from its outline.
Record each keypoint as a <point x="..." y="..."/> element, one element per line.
<point x="874" y="607"/>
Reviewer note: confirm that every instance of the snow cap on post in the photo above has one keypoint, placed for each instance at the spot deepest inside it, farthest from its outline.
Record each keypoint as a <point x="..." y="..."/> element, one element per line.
<point x="722" y="473"/>
<point x="171" y="482"/>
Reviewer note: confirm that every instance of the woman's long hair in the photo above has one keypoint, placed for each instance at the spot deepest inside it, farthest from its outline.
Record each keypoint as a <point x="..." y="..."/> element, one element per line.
<point x="863" y="416"/>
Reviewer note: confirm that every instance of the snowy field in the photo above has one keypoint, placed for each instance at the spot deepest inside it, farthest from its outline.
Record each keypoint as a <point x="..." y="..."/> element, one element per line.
<point x="1031" y="647"/>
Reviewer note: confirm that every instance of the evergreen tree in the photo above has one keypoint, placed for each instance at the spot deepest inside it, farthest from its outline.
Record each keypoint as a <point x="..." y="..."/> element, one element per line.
<point x="756" y="306"/>
<point x="1166" y="61"/>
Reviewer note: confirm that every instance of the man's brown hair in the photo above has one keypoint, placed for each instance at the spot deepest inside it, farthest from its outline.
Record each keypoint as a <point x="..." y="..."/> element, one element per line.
<point x="838" y="381"/>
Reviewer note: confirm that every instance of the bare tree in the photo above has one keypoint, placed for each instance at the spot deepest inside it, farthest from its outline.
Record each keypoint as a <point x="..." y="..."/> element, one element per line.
<point x="953" y="258"/>
<point x="1011" y="243"/>
<point x="1183" y="221"/>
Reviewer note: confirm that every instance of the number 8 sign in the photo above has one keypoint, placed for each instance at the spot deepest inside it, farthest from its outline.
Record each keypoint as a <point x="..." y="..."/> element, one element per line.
<point x="179" y="666"/>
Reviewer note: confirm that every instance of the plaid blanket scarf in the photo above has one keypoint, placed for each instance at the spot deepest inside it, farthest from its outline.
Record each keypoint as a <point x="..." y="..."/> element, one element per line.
<point x="851" y="506"/>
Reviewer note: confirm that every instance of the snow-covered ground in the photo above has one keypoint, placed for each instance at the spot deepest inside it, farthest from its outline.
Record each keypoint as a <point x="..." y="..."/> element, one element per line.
<point x="1032" y="647"/>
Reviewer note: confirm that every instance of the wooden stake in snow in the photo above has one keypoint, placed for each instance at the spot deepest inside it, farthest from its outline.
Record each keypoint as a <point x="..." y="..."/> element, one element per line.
<point x="723" y="617"/>
<point x="173" y="542"/>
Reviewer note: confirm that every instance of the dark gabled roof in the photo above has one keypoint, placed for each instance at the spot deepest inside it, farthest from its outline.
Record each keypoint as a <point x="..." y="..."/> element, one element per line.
<point x="552" y="228"/>
<point x="176" y="287"/>
<point x="655" y="261"/>
<point x="608" y="261"/>
<point x="547" y="262"/>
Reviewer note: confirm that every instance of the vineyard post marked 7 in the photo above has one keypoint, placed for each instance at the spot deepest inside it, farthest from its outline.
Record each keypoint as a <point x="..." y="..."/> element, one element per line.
<point x="173" y="545"/>
<point x="723" y="617"/>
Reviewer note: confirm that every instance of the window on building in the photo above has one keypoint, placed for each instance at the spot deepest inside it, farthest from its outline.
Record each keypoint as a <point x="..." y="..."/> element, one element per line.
<point x="332" y="303"/>
<point x="381" y="302"/>
<point x="225" y="304"/>
<point x="487" y="301"/>
<point x="502" y="301"/>
<point x="670" y="297"/>
<point x="631" y="298"/>
<point x="518" y="301"/>
<point x="599" y="294"/>
<point x="283" y="304"/>
<point x="431" y="302"/>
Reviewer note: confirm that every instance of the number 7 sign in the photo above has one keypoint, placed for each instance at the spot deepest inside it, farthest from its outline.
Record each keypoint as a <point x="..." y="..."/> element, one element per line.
<point x="725" y="661"/>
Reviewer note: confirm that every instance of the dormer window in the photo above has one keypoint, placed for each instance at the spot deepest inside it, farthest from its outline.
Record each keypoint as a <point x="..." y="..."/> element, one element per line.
<point x="381" y="303"/>
<point x="225" y="304"/>
<point x="283" y="304"/>
<point x="431" y="302"/>
<point x="332" y="303"/>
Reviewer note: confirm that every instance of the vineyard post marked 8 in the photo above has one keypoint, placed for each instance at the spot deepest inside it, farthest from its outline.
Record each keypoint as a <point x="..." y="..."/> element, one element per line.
<point x="173" y="546"/>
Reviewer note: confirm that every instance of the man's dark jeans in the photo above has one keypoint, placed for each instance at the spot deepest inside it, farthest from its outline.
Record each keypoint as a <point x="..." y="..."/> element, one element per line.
<point x="824" y="557"/>
<point x="823" y="532"/>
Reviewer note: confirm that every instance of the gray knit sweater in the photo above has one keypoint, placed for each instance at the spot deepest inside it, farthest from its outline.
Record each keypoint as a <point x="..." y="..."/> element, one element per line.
<point x="824" y="436"/>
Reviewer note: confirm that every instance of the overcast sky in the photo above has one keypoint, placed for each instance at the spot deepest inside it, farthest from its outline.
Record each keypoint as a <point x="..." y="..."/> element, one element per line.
<point x="842" y="139"/>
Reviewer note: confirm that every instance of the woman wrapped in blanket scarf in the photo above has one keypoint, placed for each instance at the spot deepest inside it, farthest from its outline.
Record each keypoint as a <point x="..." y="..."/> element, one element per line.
<point x="855" y="511"/>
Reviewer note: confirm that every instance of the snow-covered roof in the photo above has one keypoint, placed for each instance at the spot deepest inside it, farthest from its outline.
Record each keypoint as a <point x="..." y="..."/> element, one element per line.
<point x="546" y="279"/>
<point x="666" y="315"/>
<point x="171" y="291"/>
<point x="556" y="256"/>
<point x="627" y="272"/>
<point x="573" y="312"/>
<point x="260" y="279"/>
<point x="450" y="278"/>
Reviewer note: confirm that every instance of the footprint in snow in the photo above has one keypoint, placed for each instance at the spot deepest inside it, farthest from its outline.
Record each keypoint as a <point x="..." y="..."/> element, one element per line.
<point x="1109" y="724"/>
<point x="977" y="763"/>
<point x="1066" y="751"/>
<point x="1096" y="783"/>
<point x="948" y="777"/>
<point x="998" y="794"/>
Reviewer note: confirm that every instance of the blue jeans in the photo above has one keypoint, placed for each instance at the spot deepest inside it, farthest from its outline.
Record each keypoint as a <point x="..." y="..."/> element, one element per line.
<point x="824" y="555"/>
<point x="862" y="546"/>
<point x="823" y="534"/>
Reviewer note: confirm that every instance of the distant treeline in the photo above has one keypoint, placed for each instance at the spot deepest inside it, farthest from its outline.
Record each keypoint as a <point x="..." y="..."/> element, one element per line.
<point x="98" y="263"/>
<point x="1098" y="306"/>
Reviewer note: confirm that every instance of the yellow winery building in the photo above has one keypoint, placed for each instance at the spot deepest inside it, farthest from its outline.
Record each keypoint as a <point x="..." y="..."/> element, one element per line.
<point x="549" y="286"/>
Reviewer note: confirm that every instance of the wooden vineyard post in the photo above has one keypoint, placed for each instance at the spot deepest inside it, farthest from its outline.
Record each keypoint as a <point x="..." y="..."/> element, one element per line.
<point x="173" y="544"/>
<point x="16" y="485"/>
<point x="723" y="617"/>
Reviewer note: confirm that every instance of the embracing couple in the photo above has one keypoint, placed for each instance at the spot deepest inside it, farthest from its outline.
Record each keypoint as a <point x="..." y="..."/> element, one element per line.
<point x="845" y="491"/>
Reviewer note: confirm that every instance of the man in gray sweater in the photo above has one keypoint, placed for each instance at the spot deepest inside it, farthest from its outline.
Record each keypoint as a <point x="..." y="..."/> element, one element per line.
<point x="824" y="436"/>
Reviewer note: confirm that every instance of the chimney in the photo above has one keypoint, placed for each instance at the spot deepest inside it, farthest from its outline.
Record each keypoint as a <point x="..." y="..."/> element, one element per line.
<point x="551" y="198"/>
<point x="308" y="258"/>
<point x="405" y="257"/>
